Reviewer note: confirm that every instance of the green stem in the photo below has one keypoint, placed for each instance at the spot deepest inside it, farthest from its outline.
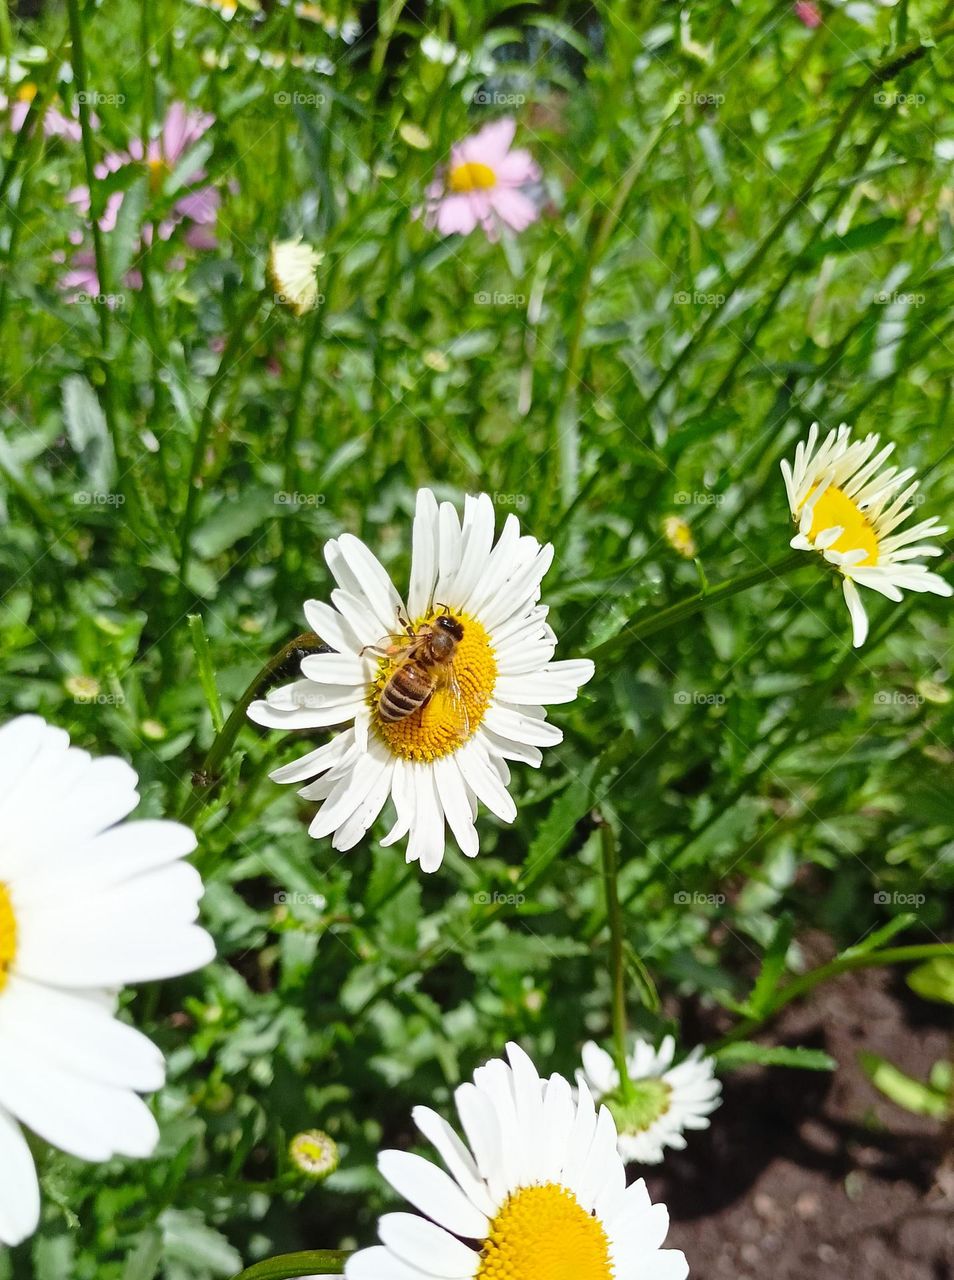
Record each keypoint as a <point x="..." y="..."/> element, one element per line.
<point x="834" y="968"/>
<point x="616" y="954"/>
<point x="230" y="357"/>
<point x="207" y="777"/>
<point x="288" y="1266"/>
<point x="6" y="30"/>
<point x="647" y="623"/>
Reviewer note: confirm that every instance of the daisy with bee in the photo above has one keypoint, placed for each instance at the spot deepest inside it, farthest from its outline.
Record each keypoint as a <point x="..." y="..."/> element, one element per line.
<point x="433" y="696"/>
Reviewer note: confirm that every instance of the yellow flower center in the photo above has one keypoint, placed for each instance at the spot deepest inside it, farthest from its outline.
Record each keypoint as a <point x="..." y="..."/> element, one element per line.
<point x="458" y="704"/>
<point x="158" y="170"/>
<point x="544" y="1233"/>
<point x="26" y="92"/>
<point x="471" y="177"/>
<point x="835" y="508"/>
<point x="8" y="935"/>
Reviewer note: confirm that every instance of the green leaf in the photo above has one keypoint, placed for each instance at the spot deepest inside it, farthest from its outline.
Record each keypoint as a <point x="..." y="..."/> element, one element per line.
<point x="773" y="967"/>
<point x="902" y="1089"/>
<point x="765" y="1055"/>
<point x="934" y="980"/>
<point x="203" y="658"/>
<point x="863" y="236"/>
<point x="641" y="979"/>
<point x="291" y="1265"/>
<point x="555" y="831"/>
<point x="88" y="434"/>
<point x="880" y="936"/>
<point x="186" y="1238"/>
<point x="124" y="241"/>
<point x="142" y="1262"/>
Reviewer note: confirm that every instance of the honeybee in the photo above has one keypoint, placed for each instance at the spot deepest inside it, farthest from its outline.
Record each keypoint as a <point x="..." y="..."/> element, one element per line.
<point x="423" y="664"/>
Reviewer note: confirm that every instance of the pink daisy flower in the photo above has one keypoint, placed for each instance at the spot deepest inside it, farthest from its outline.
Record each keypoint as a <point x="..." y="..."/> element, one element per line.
<point x="55" y="123"/>
<point x="809" y="13"/>
<point x="198" y="207"/>
<point x="484" y="185"/>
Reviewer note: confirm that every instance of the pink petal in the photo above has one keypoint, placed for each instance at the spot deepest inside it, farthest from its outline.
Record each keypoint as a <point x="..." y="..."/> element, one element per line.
<point x="491" y="143"/>
<point x="516" y="209"/>
<point x="174" y="132"/>
<point x="201" y="206"/>
<point x="518" y="168"/>
<point x="457" y="214"/>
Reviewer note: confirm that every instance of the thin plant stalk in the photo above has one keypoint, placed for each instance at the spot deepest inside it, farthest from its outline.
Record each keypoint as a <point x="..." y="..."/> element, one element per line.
<point x="648" y="622"/>
<point x="807" y="982"/>
<point x="208" y="775"/>
<point x="616" y="954"/>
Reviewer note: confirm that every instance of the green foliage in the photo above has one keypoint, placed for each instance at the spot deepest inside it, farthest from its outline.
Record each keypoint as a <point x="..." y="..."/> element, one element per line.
<point x="739" y="237"/>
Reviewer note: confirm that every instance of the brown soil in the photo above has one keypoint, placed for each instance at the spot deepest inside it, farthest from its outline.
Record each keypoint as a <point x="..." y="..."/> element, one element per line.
<point x="807" y="1174"/>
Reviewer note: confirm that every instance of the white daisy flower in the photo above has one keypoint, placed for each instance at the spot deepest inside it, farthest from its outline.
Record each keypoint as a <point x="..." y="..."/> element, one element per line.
<point x="291" y="274"/>
<point x="85" y="907"/>
<point x="848" y="505"/>
<point x="664" y="1099"/>
<point x="438" y="761"/>
<point x="537" y="1193"/>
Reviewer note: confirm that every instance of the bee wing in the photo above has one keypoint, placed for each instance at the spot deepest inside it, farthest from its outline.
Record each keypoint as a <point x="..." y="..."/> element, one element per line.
<point x="452" y="686"/>
<point x="399" y="647"/>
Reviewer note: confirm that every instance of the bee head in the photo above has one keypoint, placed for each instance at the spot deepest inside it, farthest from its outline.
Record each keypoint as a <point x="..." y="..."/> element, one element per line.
<point x="448" y="623"/>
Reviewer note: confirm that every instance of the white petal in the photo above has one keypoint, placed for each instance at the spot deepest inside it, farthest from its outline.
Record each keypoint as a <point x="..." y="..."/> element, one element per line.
<point x="424" y="547"/>
<point x="19" y="1189"/>
<point x="859" y="619"/>
<point x="429" y="1248"/>
<point x="431" y="1190"/>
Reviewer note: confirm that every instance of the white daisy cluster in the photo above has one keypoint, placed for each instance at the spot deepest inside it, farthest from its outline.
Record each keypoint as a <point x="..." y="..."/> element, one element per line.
<point x="537" y="1192"/>
<point x="849" y="507"/>
<point x="87" y="904"/>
